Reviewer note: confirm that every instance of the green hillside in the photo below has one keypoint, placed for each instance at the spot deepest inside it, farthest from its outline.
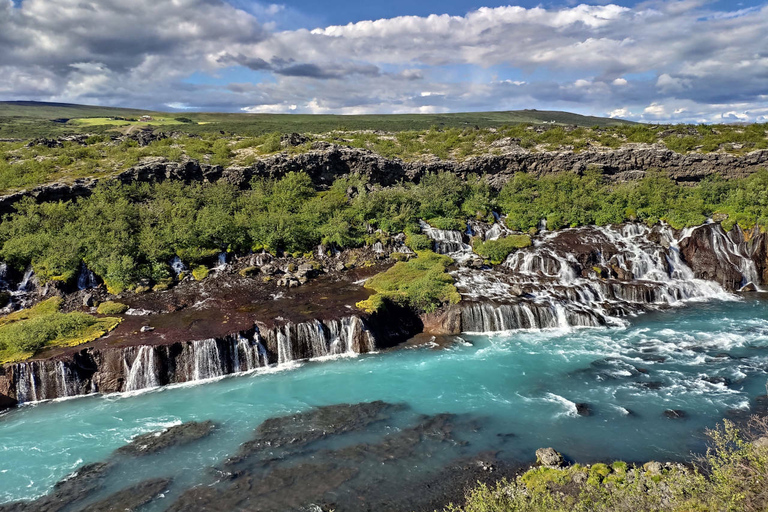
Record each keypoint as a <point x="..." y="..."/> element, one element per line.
<point x="25" y="119"/>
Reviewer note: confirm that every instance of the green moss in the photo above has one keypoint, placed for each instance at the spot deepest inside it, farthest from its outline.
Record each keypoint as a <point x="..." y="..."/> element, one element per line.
<point x="26" y="332"/>
<point x="542" y="478"/>
<point x="200" y="272"/>
<point x="421" y="283"/>
<point x="418" y="242"/>
<point x="497" y="250"/>
<point x="249" y="271"/>
<point x="111" y="308"/>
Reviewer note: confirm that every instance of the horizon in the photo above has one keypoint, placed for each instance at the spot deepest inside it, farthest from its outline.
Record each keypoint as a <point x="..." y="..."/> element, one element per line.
<point x="658" y="61"/>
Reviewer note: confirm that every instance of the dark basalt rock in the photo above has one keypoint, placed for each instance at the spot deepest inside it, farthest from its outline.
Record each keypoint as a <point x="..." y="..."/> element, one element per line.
<point x="131" y="498"/>
<point x="85" y="481"/>
<point x="178" y="435"/>
<point x="652" y="385"/>
<point x="296" y="431"/>
<point x="583" y="409"/>
<point x="699" y="252"/>
<point x="675" y="414"/>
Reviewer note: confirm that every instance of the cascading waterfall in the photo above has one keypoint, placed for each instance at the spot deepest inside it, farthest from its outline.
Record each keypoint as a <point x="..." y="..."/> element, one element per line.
<point x="560" y="279"/>
<point x="446" y="241"/>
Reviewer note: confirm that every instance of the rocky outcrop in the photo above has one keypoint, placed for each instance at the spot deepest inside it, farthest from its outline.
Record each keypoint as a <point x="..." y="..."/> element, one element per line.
<point x="326" y="162"/>
<point x="112" y="369"/>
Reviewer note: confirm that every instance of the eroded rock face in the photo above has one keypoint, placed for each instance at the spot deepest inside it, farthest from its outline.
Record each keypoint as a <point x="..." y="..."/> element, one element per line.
<point x="549" y="457"/>
<point x="704" y="252"/>
<point x="131" y="498"/>
<point x="326" y="162"/>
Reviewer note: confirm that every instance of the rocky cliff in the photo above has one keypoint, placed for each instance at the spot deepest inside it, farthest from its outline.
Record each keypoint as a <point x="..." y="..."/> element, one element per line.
<point x="326" y="162"/>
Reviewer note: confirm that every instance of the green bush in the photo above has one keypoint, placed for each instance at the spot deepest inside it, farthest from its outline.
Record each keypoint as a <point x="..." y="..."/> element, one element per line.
<point x="497" y="250"/>
<point x="111" y="308"/>
<point x="731" y="477"/>
<point x="200" y="273"/>
<point x="421" y="283"/>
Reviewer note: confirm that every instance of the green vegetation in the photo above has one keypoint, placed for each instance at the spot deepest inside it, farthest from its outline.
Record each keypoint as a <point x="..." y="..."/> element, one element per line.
<point x="731" y="477"/>
<point x="111" y="308"/>
<point x="497" y="250"/>
<point x="26" y="332"/>
<point x="30" y="119"/>
<point x="200" y="272"/>
<point x="570" y="199"/>
<point x="421" y="283"/>
<point x="129" y="233"/>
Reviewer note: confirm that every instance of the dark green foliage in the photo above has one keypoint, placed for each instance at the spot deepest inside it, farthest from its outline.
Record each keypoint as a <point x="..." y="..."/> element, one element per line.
<point x="569" y="199"/>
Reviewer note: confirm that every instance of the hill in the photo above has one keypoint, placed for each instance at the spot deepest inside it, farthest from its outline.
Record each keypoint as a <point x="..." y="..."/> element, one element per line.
<point x="25" y="119"/>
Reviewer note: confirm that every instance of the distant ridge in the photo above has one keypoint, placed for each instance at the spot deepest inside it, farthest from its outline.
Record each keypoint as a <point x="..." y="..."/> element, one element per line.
<point x="32" y="118"/>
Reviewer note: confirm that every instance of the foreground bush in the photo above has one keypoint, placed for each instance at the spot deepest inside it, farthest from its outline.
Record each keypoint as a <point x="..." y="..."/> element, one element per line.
<point x="420" y="283"/>
<point x="26" y="332"/>
<point x="732" y="476"/>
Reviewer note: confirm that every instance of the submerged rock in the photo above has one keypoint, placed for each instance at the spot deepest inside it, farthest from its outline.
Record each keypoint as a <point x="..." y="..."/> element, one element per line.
<point x="178" y="435"/>
<point x="73" y="489"/>
<point x="675" y="414"/>
<point x="131" y="498"/>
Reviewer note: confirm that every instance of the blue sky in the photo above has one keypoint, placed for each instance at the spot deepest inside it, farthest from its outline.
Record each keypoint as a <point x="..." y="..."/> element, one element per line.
<point x="655" y="61"/>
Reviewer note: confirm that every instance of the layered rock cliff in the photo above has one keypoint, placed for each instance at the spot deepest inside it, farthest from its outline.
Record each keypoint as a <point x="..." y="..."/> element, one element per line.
<point x="326" y="162"/>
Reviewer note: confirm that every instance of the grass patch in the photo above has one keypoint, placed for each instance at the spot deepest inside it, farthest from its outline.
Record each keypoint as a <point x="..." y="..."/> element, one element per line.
<point x="421" y="283"/>
<point x="497" y="250"/>
<point x="27" y="332"/>
<point x="111" y="308"/>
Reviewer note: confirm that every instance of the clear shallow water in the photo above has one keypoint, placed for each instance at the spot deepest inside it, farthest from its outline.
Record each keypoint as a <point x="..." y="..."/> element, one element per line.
<point x="522" y="383"/>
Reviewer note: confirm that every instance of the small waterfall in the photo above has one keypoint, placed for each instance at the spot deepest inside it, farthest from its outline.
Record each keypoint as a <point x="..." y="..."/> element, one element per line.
<point x="446" y="241"/>
<point x="143" y="372"/>
<point x="221" y="262"/>
<point x="86" y="279"/>
<point x="4" y="276"/>
<point x="26" y="385"/>
<point x="284" y="349"/>
<point x="26" y="284"/>
<point x="207" y="362"/>
<point x="487" y="317"/>
<point x="178" y="266"/>
<point x="66" y="383"/>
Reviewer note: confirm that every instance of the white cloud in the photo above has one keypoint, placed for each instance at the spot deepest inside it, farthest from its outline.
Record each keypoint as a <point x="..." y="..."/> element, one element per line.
<point x="665" y="60"/>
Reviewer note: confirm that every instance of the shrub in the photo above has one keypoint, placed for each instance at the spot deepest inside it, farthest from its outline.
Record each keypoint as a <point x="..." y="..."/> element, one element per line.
<point x="111" y="308"/>
<point x="421" y="283"/>
<point x="497" y="250"/>
<point x="200" y="273"/>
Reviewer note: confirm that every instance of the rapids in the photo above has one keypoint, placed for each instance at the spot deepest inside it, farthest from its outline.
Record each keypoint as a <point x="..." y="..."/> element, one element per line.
<point x="508" y="392"/>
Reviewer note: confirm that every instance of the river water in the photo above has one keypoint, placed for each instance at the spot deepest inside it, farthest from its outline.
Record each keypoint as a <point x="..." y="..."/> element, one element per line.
<point x="507" y="394"/>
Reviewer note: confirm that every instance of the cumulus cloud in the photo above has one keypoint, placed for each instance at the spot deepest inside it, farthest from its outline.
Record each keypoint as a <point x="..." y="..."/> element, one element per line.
<point x="662" y="60"/>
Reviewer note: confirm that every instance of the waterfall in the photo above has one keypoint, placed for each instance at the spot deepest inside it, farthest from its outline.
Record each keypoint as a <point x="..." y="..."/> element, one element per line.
<point x="221" y="262"/>
<point x="86" y="279"/>
<point x="284" y="349"/>
<point x="177" y="265"/>
<point x="562" y="279"/>
<point x="207" y="362"/>
<point x="4" y="276"/>
<point x="143" y="372"/>
<point x="446" y="241"/>
<point x="26" y="281"/>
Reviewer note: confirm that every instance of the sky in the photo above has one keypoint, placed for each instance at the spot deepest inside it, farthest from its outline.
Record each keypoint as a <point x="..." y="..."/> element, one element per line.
<point x="703" y="61"/>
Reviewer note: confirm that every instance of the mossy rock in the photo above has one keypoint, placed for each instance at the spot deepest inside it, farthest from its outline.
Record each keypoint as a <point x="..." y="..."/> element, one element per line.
<point x="163" y="284"/>
<point x="400" y="256"/>
<point x="200" y="273"/>
<point x="544" y="478"/>
<point x="249" y="271"/>
<point x="142" y="288"/>
<point x="111" y="308"/>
